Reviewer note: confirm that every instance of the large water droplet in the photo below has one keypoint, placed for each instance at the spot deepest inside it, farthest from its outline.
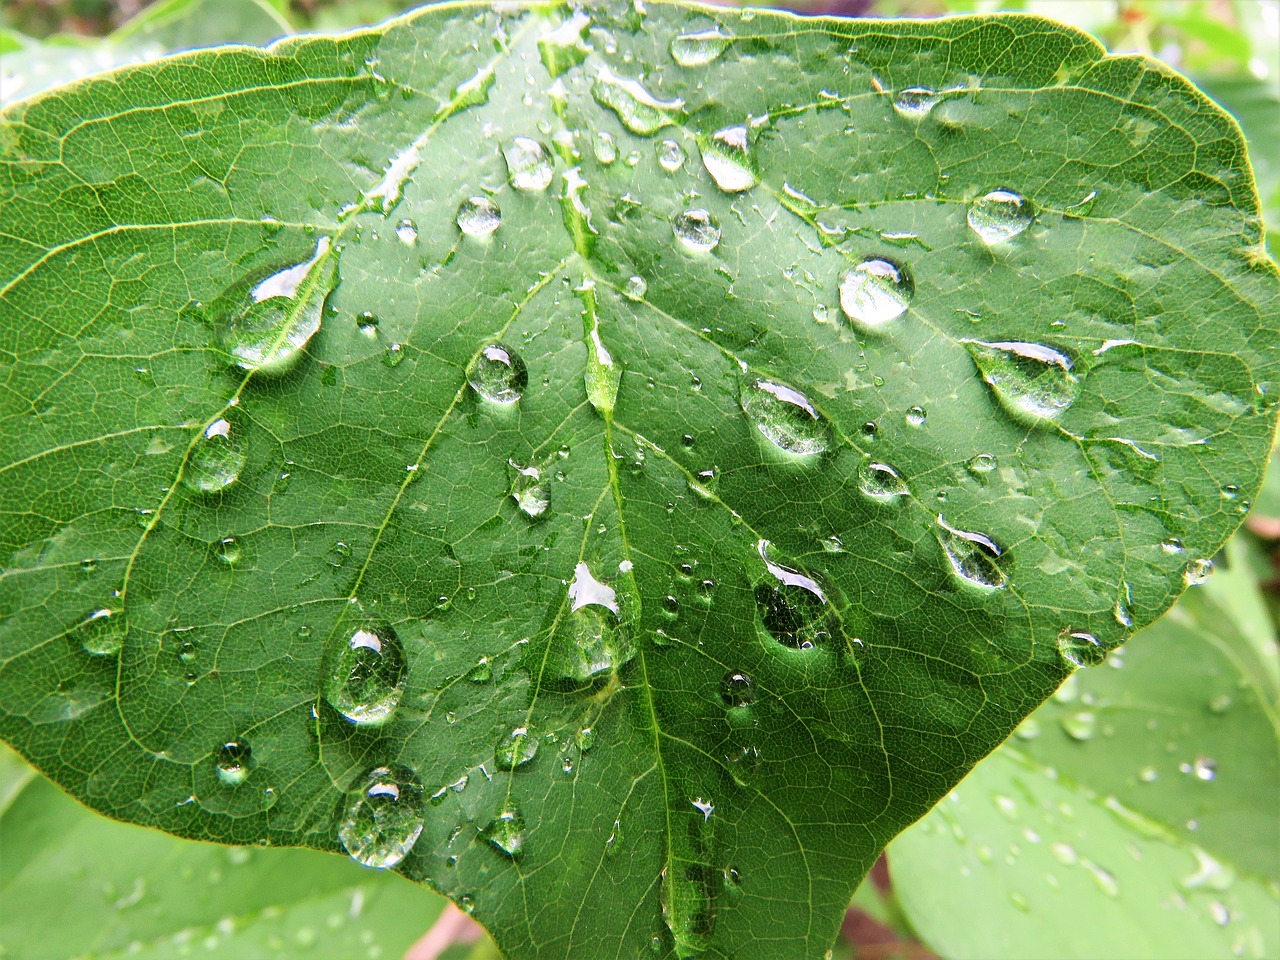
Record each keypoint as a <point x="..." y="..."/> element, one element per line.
<point x="498" y="374"/>
<point x="102" y="634"/>
<point x="598" y="628"/>
<point x="366" y="674"/>
<point x="282" y="314"/>
<point x="727" y="156"/>
<point x="232" y="762"/>
<point x="637" y="286"/>
<point x="529" y="164"/>
<point x="407" y="232"/>
<point x="792" y="605"/>
<point x="1081" y="649"/>
<point x="506" y="832"/>
<point x="383" y="816"/>
<point x="875" y="291"/>
<point x="1000" y="215"/>
<point x="516" y="748"/>
<point x="700" y="48"/>
<point x="697" y="230"/>
<point x="915" y="103"/>
<point x="785" y="417"/>
<point x="1198" y="572"/>
<point x="640" y="111"/>
<point x="974" y="557"/>
<point x="1032" y="382"/>
<point x="737" y="690"/>
<point x="882" y="483"/>
<point x="562" y="47"/>
<point x="217" y="458"/>
<point x="530" y="490"/>
<point x="478" y="216"/>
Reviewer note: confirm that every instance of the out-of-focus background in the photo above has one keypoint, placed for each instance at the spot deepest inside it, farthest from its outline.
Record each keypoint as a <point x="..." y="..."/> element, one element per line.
<point x="140" y="894"/>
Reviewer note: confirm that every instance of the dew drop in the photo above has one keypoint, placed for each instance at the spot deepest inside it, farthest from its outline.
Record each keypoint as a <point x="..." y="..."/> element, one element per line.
<point x="1080" y="726"/>
<point x="516" y="748"/>
<point x="367" y="324"/>
<point x="606" y="148"/>
<point x="700" y="48"/>
<point x="383" y="816"/>
<point x="506" y="832"/>
<point x="530" y="490"/>
<point x="881" y="483"/>
<point x="478" y="216"/>
<point x="282" y="313"/>
<point x="999" y="216"/>
<point x="1197" y="572"/>
<point x="498" y="374"/>
<point x="875" y="291"/>
<point x="529" y="164"/>
<point x="785" y="418"/>
<point x="981" y="464"/>
<point x="1205" y="768"/>
<point x="407" y="232"/>
<point x="792" y="606"/>
<point x="102" y="634"/>
<point x="916" y="416"/>
<point x="974" y="557"/>
<point x="393" y="355"/>
<point x="217" y="458"/>
<point x="737" y="690"/>
<point x="1031" y="381"/>
<point x="670" y="155"/>
<point x="727" y="156"/>
<point x="366" y="674"/>
<point x="636" y="288"/>
<point x="915" y="103"/>
<point x="599" y="628"/>
<point x="229" y="551"/>
<point x="233" y="762"/>
<point x="1081" y="649"/>
<point x="640" y="111"/>
<point x="697" y="230"/>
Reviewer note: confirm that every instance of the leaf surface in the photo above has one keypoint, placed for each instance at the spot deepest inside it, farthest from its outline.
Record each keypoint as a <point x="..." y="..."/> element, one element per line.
<point x="619" y="468"/>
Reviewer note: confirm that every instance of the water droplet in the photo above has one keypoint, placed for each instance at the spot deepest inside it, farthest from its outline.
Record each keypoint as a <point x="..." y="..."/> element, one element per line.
<point x="640" y="111"/>
<point x="785" y="417"/>
<point x="982" y="463"/>
<point x="562" y="48"/>
<point x="506" y="832"/>
<point x="1103" y="878"/>
<point x="915" y="103"/>
<point x="598" y="627"/>
<point x="697" y="230"/>
<point x="727" y="156"/>
<point x="529" y="164"/>
<point x="881" y="483"/>
<point x="478" y="216"/>
<point x="498" y="374"/>
<point x="1221" y="703"/>
<point x="366" y="674"/>
<point x="1205" y="768"/>
<point x="670" y="155"/>
<point x="875" y="291"/>
<point x="585" y="739"/>
<point x="700" y="48"/>
<point x="999" y="216"/>
<point x="1171" y="545"/>
<point x="1221" y="916"/>
<point x="267" y="334"/>
<point x="1197" y="572"/>
<point x="737" y="690"/>
<point x="636" y="288"/>
<point x="974" y="557"/>
<point x="338" y="554"/>
<point x="530" y="490"/>
<point x="1081" y="725"/>
<point x="102" y="634"/>
<point x="1081" y="649"/>
<point x="606" y="148"/>
<point x="792" y="605"/>
<point x="407" y="232"/>
<point x="383" y="816"/>
<point x="915" y="417"/>
<point x="217" y="458"/>
<point x="229" y="551"/>
<point x="1032" y="382"/>
<point x="367" y="324"/>
<point x="516" y="748"/>
<point x="1210" y="874"/>
<point x="233" y="762"/>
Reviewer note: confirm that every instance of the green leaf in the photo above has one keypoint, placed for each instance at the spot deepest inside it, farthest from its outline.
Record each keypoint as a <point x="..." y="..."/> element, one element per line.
<point x="1142" y="798"/>
<point x="78" y="885"/>
<point x="625" y="533"/>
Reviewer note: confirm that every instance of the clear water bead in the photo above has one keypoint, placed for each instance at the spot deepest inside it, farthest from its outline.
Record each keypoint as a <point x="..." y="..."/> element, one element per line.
<point x="506" y="832"/>
<point x="670" y="155"/>
<point x="916" y="103"/>
<point x="478" y="216"/>
<point x="785" y="417"/>
<point x="383" y="816"/>
<point x="366" y="673"/>
<point x="975" y="558"/>
<point x="1031" y="381"/>
<point x="516" y="747"/>
<point x="530" y="489"/>
<point x="217" y="458"/>
<point x="529" y="164"/>
<point x="498" y="374"/>
<point x="875" y="291"/>
<point x="640" y="111"/>
<point x="791" y="604"/>
<point x="232" y="762"/>
<point x="727" y="156"/>
<point x="881" y="483"/>
<point x="1000" y="216"/>
<point x="701" y="47"/>
<point x="102" y="633"/>
<point x="697" y="230"/>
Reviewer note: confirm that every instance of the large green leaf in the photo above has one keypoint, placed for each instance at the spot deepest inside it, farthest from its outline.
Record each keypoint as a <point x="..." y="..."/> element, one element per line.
<point x="771" y="437"/>
<point x="1143" y="798"/>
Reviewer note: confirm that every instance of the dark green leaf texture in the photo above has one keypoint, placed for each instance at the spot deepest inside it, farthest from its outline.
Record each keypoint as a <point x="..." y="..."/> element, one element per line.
<point x="798" y="402"/>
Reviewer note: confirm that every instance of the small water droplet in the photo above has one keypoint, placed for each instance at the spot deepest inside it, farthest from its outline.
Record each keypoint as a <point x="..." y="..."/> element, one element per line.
<point x="974" y="557"/>
<point x="785" y="417"/>
<point x="1064" y="853"/>
<point x="670" y="155"/>
<point x="282" y="313"/>
<point x="529" y="164"/>
<point x="1080" y="725"/>
<point x="875" y="291"/>
<point x="338" y="554"/>
<point x="1103" y="878"/>
<point x="727" y="156"/>
<point x="640" y="111"/>
<point x="1221" y="703"/>
<point x="506" y="832"/>
<point x="606" y="148"/>
<point x="915" y="103"/>
<point x="498" y="374"/>
<point x="792" y="605"/>
<point x="102" y="633"/>
<point x="1032" y="382"/>
<point x="530" y="490"/>
<point x="982" y="463"/>
<point x="516" y="748"/>
<point x="407" y="232"/>
<point x="585" y="739"/>
<point x="1205" y="768"/>
<point x="737" y="690"/>
<point x="217" y="458"/>
<point x="697" y="230"/>
<point x="1197" y="572"/>
<point x="233" y="762"/>
<point x="367" y="324"/>
<point x="636" y="288"/>
<point x="999" y="216"/>
<point x="1171" y="545"/>
<point x="700" y="48"/>
<point x="366" y="674"/>
<point x="478" y="216"/>
<point x="229" y="551"/>
<point x="1081" y="649"/>
<point x="881" y="483"/>
<point x="383" y="816"/>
